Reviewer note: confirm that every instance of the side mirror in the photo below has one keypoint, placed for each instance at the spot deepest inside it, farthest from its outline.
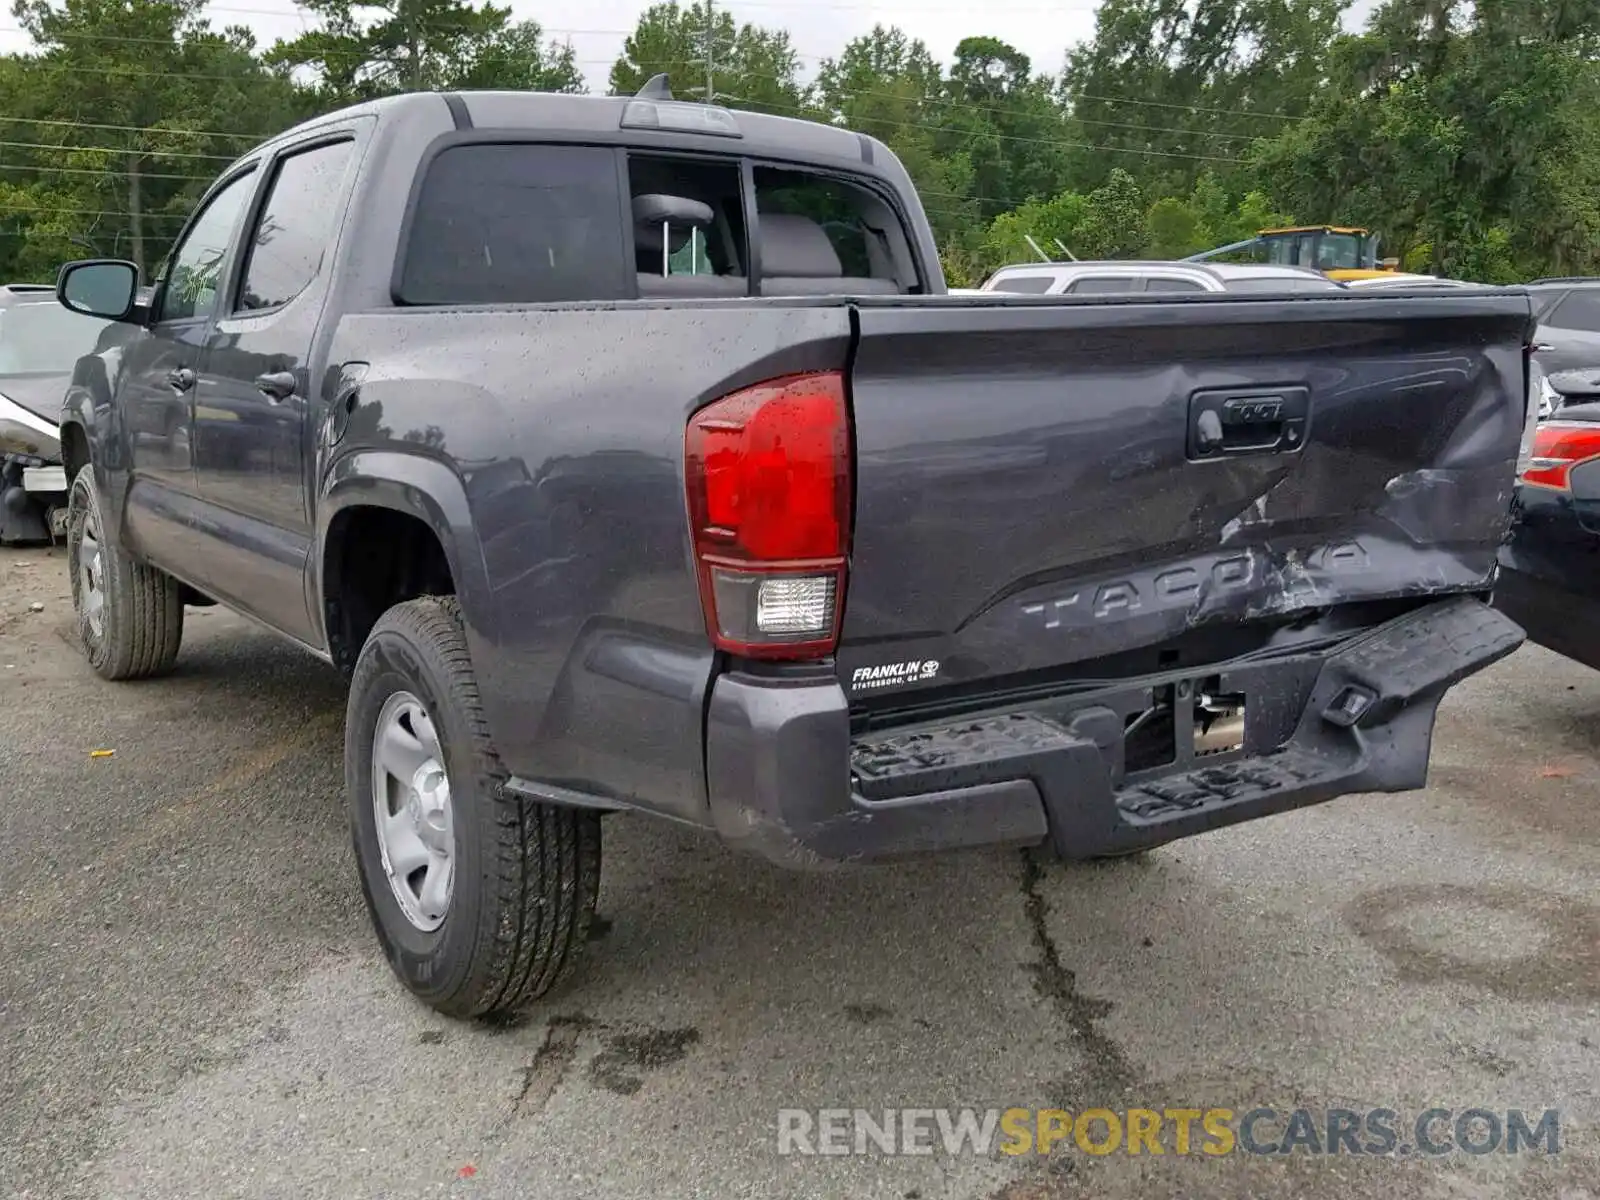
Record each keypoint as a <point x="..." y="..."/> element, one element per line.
<point x="107" y="288"/>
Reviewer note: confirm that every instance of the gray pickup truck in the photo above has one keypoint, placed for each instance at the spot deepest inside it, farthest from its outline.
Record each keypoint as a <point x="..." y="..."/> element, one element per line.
<point x="629" y="454"/>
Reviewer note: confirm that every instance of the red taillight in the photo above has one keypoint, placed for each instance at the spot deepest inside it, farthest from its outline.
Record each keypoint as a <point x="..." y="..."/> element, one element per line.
<point x="1558" y="446"/>
<point x="768" y="473"/>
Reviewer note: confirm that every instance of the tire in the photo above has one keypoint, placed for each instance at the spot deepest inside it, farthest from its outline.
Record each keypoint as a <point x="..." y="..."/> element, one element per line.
<point x="522" y="876"/>
<point x="130" y="615"/>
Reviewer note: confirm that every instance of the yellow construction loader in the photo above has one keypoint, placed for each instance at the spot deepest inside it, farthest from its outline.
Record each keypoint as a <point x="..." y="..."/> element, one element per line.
<point x="1339" y="252"/>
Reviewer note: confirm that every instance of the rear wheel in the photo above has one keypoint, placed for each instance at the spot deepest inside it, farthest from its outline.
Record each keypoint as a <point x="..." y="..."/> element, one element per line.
<point x="130" y="615"/>
<point x="481" y="900"/>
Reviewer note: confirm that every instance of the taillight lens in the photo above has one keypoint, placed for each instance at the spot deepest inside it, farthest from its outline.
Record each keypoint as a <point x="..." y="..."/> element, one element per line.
<point x="1558" y="446"/>
<point x="768" y="475"/>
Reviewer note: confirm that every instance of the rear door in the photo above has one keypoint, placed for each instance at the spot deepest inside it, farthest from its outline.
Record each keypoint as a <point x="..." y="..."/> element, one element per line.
<point x="1571" y="331"/>
<point x="1052" y="490"/>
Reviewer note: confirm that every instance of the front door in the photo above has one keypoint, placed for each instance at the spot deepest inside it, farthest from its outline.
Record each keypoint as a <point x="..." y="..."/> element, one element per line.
<point x="251" y="404"/>
<point x="155" y="375"/>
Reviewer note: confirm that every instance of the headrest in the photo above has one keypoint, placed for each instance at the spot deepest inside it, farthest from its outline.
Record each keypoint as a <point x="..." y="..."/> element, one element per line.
<point x="679" y="210"/>
<point x="797" y="247"/>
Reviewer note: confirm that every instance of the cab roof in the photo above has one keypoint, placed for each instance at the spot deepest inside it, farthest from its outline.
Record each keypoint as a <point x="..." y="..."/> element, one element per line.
<point x="562" y="115"/>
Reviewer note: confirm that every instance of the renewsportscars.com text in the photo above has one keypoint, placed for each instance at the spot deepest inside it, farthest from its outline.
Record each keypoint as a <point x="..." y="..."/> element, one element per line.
<point x="1377" y="1132"/>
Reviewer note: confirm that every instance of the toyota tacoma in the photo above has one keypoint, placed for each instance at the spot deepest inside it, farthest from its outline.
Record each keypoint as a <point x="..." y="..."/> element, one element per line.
<point x="630" y="454"/>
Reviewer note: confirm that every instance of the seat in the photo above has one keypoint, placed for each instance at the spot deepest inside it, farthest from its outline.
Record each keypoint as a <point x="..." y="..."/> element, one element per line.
<point x="797" y="259"/>
<point x="658" y="218"/>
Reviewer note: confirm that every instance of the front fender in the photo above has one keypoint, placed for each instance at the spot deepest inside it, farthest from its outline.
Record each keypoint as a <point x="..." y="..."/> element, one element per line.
<point x="88" y="406"/>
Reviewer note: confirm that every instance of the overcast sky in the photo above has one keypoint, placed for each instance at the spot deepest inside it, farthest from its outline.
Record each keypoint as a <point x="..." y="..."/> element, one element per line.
<point x="818" y="28"/>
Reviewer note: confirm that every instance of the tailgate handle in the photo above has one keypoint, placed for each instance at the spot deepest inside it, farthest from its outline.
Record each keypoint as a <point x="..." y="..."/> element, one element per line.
<point x="1229" y="421"/>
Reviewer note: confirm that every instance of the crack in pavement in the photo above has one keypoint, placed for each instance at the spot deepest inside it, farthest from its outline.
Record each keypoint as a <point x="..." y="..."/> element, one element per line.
<point x="543" y="1075"/>
<point x="1108" y="1067"/>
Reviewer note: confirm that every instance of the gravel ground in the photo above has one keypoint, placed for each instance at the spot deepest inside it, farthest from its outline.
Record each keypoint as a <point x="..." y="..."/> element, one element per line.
<point x="193" y="1004"/>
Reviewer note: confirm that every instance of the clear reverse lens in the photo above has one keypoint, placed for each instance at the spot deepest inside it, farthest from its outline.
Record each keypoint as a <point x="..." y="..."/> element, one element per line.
<point x="793" y="604"/>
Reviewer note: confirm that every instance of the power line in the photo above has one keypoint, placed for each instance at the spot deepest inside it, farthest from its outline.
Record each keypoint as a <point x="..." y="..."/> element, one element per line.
<point x="114" y="150"/>
<point x="1008" y="137"/>
<point x="123" y="39"/>
<point x="90" y="212"/>
<point x="255" y="137"/>
<point x="596" y="62"/>
<point x="1014" y="137"/>
<point x="104" y="171"/>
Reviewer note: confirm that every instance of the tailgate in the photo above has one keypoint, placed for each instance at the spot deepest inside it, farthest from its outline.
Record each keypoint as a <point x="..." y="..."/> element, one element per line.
<point x="1059" y="490"/>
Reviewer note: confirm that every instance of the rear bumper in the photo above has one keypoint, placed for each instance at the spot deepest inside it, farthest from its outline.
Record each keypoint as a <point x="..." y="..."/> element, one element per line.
<point x="788" y="782"/>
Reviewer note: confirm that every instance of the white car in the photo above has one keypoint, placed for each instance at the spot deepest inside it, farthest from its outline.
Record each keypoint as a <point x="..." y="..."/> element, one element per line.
<point x="1402" y="279"/>
<point x="1111" y="277"/>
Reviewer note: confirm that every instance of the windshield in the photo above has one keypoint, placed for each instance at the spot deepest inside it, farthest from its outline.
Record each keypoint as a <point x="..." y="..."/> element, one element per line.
<point x="1318" y="250"/>
<point x="1338" y="252"/>
<point x="44" y="338"/>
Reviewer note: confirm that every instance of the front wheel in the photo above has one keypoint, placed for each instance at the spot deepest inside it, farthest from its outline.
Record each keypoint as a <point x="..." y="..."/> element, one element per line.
<point x="130" y="615"/>
<point x="481" y="900"/>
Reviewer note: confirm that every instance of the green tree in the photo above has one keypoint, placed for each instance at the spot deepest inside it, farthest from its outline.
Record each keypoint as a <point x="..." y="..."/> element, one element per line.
<point x="1114" y="219"/>
<point x="1166" y="89"/>
<point x="747" y="66"/>
<point x="1173" y="229"/>
<point x="1005" y="122"/>
<point x="1053" y="224"/>
<point x="129" y="109"/>
<point x="889" y="86"/>
<point x="380" y="47"/>
<point x="1472" y="130"/>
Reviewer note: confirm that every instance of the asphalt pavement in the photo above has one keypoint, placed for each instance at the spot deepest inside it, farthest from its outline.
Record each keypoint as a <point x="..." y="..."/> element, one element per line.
<point x="192" y="1005"/>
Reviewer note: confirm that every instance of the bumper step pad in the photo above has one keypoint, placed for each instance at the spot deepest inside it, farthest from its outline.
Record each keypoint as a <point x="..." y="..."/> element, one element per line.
<point x="1177" y="794"/>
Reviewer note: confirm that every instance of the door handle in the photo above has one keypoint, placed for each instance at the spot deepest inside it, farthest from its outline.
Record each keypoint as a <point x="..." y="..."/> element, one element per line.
<point x="278" y="386"/>
<point x="181" y="379"/>
<point x="1233" y="421"/>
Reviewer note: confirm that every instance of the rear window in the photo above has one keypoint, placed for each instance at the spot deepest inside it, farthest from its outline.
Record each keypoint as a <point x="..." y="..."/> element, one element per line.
<point x="1284" y="284"/>
<point x="1103" y="284"/>
<point x="827" y="236"/>
<point x="1580" y="311"/>
<point x="1026" y="285"/>
<point x="517" y="224"/>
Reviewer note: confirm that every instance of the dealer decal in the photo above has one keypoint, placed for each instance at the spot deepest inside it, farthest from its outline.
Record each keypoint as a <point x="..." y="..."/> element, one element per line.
<point x="887" y="675"/>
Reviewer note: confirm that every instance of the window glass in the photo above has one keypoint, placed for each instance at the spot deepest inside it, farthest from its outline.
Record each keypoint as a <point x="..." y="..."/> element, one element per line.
<point x="1543" y="300"/>
<point x="44" y="337"/>
<point x="820" y="213"/>
<point x="1103" y="284"/>
<point x="1160" y="283"/>
<point x="1026" y="285"/>
<point x="517" y="224"/>
<point x="1338" y="252"/>
<point x="714" y="248"/>
<point x="1287" y="283"/>
<point x="1580" y="311"/>
<point x="296" y="226"/>
<point x="195" y="270"/>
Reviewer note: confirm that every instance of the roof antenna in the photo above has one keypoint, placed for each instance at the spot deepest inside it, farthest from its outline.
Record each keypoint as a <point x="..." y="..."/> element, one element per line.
<point x="655" y="88"/>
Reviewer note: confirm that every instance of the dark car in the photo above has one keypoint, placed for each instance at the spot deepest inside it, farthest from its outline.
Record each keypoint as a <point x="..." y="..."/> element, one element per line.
<point x="1568" y="311"/>
<point x="1550" y="569"/>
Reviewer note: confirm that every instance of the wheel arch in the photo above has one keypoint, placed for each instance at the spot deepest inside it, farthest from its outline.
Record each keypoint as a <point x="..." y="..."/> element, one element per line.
<point x="398" y="495"/>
